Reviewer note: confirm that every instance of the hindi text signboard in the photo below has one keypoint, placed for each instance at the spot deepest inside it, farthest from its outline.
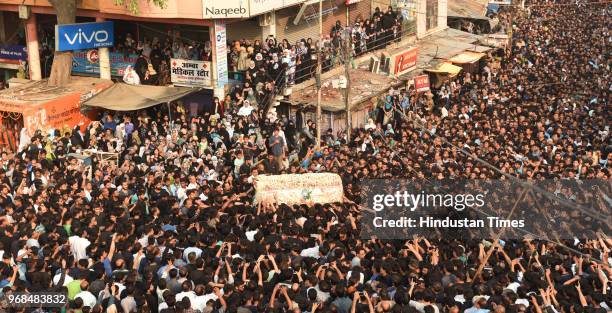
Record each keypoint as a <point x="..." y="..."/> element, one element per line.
<point x="190" y="73"/>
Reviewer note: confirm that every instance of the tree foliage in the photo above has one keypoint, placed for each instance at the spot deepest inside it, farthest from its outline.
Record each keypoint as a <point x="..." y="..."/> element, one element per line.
<point x="134" y="6"/>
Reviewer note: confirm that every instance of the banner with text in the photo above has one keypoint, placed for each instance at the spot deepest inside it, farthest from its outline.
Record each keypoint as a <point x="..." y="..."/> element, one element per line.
<point x="87" y="62"/>
<point x="299" y="188"/>
<point x="13" y="54"/>
<point x="190" y="73"/>
<point x="221" y="53"/>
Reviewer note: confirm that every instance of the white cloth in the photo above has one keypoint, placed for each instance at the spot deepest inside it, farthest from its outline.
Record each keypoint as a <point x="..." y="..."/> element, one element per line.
<point x="199" y="302"/>
<point x="250" y="235"/>
<point x="88" y="298"/>
<point x="79" y="246"/>
<point x="245" y="111"/>
<point x="188" y="250"/>
<point x="189" y="294"/>
<point x="311" y="252"/>
<point x="130" y="76"/>
<point x="57" y="277"/>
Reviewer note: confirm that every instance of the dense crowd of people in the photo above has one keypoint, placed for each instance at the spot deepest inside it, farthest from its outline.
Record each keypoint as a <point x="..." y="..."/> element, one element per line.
<point x="170" y="225"/>
<point x="271" y="61"/>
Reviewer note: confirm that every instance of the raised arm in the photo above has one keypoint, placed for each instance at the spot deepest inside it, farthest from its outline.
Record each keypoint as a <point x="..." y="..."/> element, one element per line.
<point x="581" y="297"/>
<point x="273" y="296"/>
<point x="276" y="269"/>
<point x="287" y="298"/>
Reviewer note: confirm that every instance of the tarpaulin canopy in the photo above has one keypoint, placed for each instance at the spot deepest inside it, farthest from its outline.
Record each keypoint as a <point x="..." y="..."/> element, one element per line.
<point x="467" y="57"/>
<point x="124" y="97"/>
<point x="445" y="68"/>
<point x="474" y="9"/>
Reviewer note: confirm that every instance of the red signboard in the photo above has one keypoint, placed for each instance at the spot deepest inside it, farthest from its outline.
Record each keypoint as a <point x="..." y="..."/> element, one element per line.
<point x="405" y="61"/>
<point x="421" y="83"/>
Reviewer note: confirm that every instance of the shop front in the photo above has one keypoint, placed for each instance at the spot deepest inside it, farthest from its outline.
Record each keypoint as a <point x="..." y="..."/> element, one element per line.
<point x="36" y="106"/>
<point x="13" y="60"/>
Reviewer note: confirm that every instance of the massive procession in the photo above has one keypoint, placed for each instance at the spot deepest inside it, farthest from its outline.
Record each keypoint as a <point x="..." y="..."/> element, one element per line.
<point x="201" y="213"/>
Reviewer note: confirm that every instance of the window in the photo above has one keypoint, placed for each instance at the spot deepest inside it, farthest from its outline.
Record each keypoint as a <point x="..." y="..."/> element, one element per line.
<point x="431" y="14"/>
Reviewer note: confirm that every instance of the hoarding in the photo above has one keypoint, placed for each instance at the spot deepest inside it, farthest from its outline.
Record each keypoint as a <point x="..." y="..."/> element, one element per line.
<point x="221" y="53"/>
<point x="81" y="36"/>
<point x="87" y="62"/>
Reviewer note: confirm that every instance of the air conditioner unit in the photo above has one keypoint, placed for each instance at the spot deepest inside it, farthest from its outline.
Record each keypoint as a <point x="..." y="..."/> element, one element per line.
<point x="265" y="19"/>
<point x="385" y="62"/>
<point x="374" y="64"/>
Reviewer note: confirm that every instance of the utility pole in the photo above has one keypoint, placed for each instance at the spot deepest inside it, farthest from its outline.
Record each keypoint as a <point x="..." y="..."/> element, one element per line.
<point x="510" y="29"/>
<point x="348" y="47"/>
<point x="318" y="74"/>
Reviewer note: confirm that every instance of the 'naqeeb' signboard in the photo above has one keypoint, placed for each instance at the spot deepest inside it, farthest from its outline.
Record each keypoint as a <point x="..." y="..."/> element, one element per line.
<point x="421" y="83"/>
<point x="190" y="73"/>
<point x="405" y="61"/>
<point x="216" y="9"/>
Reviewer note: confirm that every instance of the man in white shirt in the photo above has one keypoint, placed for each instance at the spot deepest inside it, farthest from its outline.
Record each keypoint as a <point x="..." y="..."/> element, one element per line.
<point x="88" y="298"/>
<point x="79" y="245"/>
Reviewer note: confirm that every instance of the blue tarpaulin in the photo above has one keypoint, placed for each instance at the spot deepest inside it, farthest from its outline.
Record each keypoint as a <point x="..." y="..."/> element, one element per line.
<point x="493" y="7"/>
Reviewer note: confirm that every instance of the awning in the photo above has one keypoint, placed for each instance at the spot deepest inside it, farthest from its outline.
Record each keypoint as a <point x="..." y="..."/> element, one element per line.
<point x="443" y="45"/>
<point x="445" y="68"/>
<point x="467" y="57"/>
<point x="124" y="97"/>
<point x="473" y="9"/>
<point x="479" y="49"/>
<point x="495" y="40"/>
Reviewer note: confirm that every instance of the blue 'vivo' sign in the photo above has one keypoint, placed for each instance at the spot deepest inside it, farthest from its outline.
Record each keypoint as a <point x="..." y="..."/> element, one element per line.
<point x="84" y="36"/>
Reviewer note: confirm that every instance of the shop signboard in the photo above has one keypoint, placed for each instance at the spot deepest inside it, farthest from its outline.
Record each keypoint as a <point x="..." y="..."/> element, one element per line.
<point x="421" y="83"/>
<point x="190" y="73"/>
<point x="88" y="62"/>
<point x="215" y="9"/>
<point x="13" y="54"/>
<point x="405" y="61"/>
<point x="69" y="37"/>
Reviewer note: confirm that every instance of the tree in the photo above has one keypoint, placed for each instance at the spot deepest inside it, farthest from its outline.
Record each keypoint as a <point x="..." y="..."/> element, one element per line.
<point x="62" y="61"/>
<point x="65" y="11"/>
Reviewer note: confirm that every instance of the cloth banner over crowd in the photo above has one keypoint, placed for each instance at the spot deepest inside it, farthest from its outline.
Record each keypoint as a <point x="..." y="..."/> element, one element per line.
<point x="299" y="188"/>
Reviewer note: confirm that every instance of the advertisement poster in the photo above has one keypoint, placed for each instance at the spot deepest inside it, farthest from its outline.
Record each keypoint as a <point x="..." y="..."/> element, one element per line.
<point x="81" y="36"/>
<point x="87" y="62"/>
<point x="190" y="73"/>
<point x="221" y="53"/>
<point x="421" y="83"/>
<point x="57" y="113"/>
<point x="405" y="61"/>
